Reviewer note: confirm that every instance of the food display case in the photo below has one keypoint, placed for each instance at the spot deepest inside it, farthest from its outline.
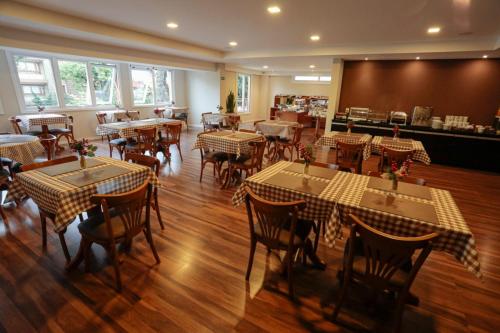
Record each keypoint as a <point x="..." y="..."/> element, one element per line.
<point x="422" y="116"/>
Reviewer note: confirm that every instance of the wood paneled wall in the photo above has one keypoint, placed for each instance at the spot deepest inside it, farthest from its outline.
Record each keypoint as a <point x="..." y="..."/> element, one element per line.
<point x="454" y="87"/>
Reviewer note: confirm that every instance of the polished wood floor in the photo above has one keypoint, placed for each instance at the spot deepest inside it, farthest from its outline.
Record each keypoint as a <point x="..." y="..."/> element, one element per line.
<point x="200" y="285"/>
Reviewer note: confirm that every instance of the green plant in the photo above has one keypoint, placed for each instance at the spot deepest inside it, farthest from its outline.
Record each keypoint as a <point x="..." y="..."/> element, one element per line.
<point x="230" y="102"/>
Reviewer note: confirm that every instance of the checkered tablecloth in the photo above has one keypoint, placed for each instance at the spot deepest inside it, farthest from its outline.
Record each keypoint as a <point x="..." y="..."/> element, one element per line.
<point x="117" y="115"/>
<point x="455" y="236"/>
<point x="419" y="151"/>
<point x="126" y="129"/>
<point x="20" y="148"/>
<point x="330" y="139"/>
<point x="28" y="121"/>
<point x="66" y="201"/>
<point x="280" y="128"/>
<point x="227" y="141"/>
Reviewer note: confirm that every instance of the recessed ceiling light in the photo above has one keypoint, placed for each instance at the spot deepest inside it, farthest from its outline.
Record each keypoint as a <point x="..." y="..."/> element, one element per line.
<point x="315" y="38"/>
<point x="274" y="9"/>
<point x="312" y="66"/>
<point x="233" y="43"/>
<point x="366" y="59"/>
<point x="418" y="58"/>
<point x="485" y="56"/>
<point x="265" y="66"/>
<point x="172" y="25"/>
<point x="433" y="30"/>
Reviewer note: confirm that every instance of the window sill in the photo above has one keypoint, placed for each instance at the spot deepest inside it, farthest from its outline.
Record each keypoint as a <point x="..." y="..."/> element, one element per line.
<point x="78" y="109"/>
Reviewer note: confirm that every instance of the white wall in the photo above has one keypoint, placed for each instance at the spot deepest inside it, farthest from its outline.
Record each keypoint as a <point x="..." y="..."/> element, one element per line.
<point x="202" y="94"/>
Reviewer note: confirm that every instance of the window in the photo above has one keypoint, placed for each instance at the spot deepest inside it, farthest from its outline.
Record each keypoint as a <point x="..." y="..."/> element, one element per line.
<point x="104" y="79"/>
<point x="75" y="83"/>
<point x="37" y="81"/>
<point x="151" y="86"/>
<point x="312" y="78"/>
<point x="243" y="100"/>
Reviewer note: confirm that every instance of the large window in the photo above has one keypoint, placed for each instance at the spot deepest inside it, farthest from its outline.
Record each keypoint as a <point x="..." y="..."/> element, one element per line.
<point x="75" y="83"/>
<point x="104" y="78"/>
<point x="243" y="101"/>
<point x="36" y="80"/>
<point x="151" y="86"/>
<point x="312" y="78"/>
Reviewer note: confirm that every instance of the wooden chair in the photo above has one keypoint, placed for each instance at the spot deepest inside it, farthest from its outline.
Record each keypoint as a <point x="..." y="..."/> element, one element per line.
<point x="101" y="120"/>
<point x="349" y="156"/>
<point x="153" y="163"/>
<point x="207" y="125"/>
<point x="170" y="135"/>
<point x="48" y="141"/>
<point x="271" y="230"/>
<point x="289" y="144"/>
<point x="119" y="219"/>
<point x="382" y="263"/>
<point x="406" y="179"/>
<point x="215" y="158"/>
<point x="65" y="132"/>
<point x="114" y="141"/>
<point x="182" y="117"/>
<point x="4" y="186"/>
<point x="388" y="156"/>
<point x="14" y="122"/>
<point x="7" y="163"/>
<point x="45" y="214"/>
<point x="146" y="141"/>
<point x="251" y="164"/>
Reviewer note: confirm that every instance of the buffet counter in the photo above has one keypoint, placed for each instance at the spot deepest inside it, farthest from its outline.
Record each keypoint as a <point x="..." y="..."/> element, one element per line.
<point x="455" y="148"/>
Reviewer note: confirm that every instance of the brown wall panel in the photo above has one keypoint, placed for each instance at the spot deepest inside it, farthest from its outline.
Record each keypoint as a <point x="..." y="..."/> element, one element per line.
<point x="453" y="87"/>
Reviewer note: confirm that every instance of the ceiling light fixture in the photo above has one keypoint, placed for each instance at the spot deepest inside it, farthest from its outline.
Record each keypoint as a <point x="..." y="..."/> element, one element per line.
<point x="274" y="9"/>
<point x="485" y="56"/>
<point x="265" y="66"/>
<point x="433" y="30"/>
<point x="366" y="59"/>
<point x="172" y="25"/>
<point x="314" y="38"/>
<point x="417" y="58"/>
<point x="233" y="43"/>
<point x="312" y="66"/>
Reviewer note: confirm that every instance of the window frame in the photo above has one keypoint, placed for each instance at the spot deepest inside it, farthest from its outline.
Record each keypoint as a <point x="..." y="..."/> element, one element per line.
<point x="315" y="79"/>
<point x="152" y="69"/>
<point x="54" y="58"/>
<point x="249" y="89"/>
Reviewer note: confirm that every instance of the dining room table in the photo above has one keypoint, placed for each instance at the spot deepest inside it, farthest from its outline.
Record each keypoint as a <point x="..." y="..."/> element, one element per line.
<point x="65" y="189"/>
<point x="331" y="195"/>
<point x="20" y="147"/>
<point x="419" y="152"/>
<point x="120" y="115"/>
<point x="330" y="139"/>
<point x="126" y="129"/>
<point x="43" y="120"/>
<point x="276" y="128"/>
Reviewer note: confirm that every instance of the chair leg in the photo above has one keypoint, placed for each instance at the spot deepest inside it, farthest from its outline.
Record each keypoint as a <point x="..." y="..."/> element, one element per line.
<point x="64" y="246"/>
<point x="253" y="245"/>
<point x="342" y="296"/>
<point x="157" y="208"/>
<point x="110" y="151"/>
<point x="149" y="237"/>
<point x="201" y="171"/>
<point x="116" y="266"/>
<point x="2" y="213"/>
<point x="86" y="254"/>
<point x="179" y="149"/>
<point x="290" y="274"/>
<point x="398" y="316"/>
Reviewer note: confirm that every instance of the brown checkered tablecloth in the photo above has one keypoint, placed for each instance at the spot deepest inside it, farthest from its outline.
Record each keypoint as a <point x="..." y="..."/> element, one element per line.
<point x="126" y="129"/>
<point x="40" y="119"/>
<point x="455" y="236"/>
<point x="342" y="196"/>
<point x="419" y="151"/>
<point x="20" y="148"/>
<point x="66" y="201"/>
<point x="227" y="141"/>
<point x="330" y="139"/>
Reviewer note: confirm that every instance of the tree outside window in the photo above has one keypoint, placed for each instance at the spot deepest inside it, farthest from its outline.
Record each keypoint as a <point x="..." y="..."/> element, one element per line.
<point x="75" y="83"/>
<point x="243" y="101"/>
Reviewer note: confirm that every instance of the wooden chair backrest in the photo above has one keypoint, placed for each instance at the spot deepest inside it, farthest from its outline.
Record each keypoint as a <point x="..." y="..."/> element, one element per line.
<point x="146" y="137"/>
<point x="149" y="161"/>
<point x="388" y="156"/>
<point x="385" y="254"/>
<point x="258" y="148"/>
<point x="101" y="118"/>
<point x="350" y="153"/>
<point x="297" y="134"/>
<point x="172" y="132"/>
<point x="128" y="207"/>
<point x="14" y="122"/>
<point x="272" y="217"/>
<point x="33" y="166"/>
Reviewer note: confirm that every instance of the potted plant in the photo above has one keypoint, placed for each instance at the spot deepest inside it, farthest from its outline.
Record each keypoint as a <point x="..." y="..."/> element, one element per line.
<point x="230" y="102"/>
<point x="83" y="148"/>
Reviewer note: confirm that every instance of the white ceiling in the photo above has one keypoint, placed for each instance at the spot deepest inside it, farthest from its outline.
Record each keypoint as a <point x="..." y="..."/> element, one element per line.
<point x="380" y="29"/>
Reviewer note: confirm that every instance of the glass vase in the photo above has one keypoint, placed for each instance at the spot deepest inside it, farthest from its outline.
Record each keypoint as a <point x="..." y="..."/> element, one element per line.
<point x="395" y="184"/>
<point x="306" y="171"/>
<point x="83" y="162"/>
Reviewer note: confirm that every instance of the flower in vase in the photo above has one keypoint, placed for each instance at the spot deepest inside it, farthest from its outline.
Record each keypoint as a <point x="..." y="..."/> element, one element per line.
<point x="350" y="124"/>
<point x="306" y="153"/>
<point x="83" y="148"/>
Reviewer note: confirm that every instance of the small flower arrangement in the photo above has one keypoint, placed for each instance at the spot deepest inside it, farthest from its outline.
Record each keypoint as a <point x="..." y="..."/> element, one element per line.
<point x="394" y="173"/>
<point x="350" y="126"/>
<point x="306" y="153"/>
<point x="83" y="148"/>
<point x="220" y="108"/>
<point x="395" y="131"/>
<point x="40" y="108"/>
<point x="158" y="112"/>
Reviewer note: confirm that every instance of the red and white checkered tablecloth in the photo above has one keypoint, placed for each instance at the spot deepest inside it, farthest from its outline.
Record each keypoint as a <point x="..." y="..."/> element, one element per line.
<point x="65" y="200"/>
<point x="20" y="148"/>
<point x="227" y="141"/>
<point x="342" y="196"/>
<point x="455" y="236"/>
<point x="40" y="119"/>
<point x="126" y="129"/>
<point x="330" y="139"/>
<point x="419" y="151"/>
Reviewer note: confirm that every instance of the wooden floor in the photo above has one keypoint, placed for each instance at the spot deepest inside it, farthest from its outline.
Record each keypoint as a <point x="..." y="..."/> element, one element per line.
<point x="200" y="285"/>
